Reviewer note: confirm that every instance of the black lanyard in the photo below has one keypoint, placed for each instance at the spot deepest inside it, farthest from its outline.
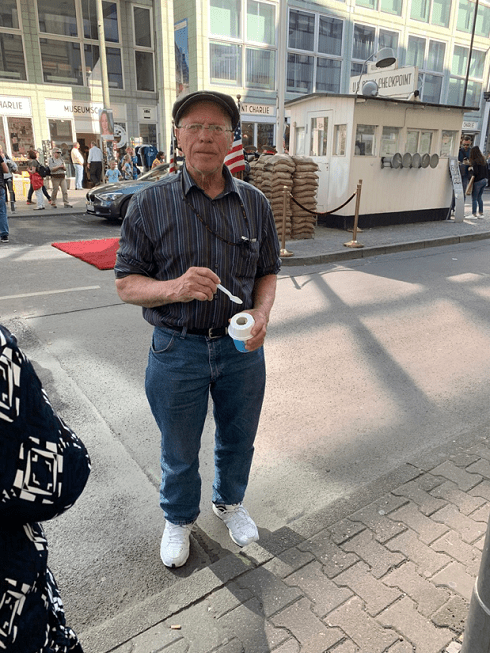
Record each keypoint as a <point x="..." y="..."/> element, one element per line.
<point x="243" y="240"/>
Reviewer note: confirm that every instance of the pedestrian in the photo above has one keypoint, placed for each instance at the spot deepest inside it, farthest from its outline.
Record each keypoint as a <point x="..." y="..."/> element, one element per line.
<point x="37" y="183"/>
<point x="180" y="238"/>
<point x="4" y="222"/>
<point x="32" y="161"/>
<point x="127" y="167"/>
<point x="58" y="178"/>
<point x="159" y="159"/>
<point x="463" y="158"/>
<point x="478" y="170"/>
<point x="113" y="173"/>
<point x="134" y="161"/>
<point x="95" y="162"/>
<point x="44" y="469"/>
<point x="78" y="163"/>
<point x="9" y="178"/>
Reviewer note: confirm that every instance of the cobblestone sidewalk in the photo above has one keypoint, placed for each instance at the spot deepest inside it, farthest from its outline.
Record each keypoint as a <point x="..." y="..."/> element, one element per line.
<point x="396" y="576"/>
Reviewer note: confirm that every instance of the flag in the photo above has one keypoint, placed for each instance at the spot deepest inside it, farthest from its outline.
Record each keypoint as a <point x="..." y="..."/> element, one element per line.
<point x="234" y="159"/>
<point x="173" y="154"/>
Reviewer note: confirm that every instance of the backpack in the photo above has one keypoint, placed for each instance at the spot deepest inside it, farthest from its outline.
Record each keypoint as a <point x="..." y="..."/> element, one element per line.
<point x="44" y="171"/>
<point x="12" y="166"/>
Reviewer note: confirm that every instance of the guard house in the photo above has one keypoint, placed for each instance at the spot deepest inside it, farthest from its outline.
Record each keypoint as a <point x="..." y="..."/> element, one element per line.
<point x="399" y="148"/>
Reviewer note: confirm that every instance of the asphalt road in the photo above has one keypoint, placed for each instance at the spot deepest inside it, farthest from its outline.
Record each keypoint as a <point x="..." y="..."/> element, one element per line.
<point x="369" y="362"/>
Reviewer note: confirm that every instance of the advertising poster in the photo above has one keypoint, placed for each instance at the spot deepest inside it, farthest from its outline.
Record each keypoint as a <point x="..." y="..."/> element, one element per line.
<point x="181" y="57"/>
<point x="106" y="122"/>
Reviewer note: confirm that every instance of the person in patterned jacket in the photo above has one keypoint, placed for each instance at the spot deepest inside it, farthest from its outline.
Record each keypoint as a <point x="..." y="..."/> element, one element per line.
<point x="43" y="470"/>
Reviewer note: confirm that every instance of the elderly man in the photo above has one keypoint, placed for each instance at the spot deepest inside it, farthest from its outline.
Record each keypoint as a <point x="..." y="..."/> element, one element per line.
<point x="180" y="238"/>
<point x="58" y="178"/>
<point x="78" y="163"/>
<point x="95" y="162"/>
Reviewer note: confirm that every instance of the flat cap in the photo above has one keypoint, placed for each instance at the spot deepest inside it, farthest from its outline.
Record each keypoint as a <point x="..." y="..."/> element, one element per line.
<point x="225" y="101"/>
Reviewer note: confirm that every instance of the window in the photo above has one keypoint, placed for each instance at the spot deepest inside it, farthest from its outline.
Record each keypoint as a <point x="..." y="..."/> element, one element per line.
<point x="231" y="62"/>
<point x="9" y="16"/>
<point x="301" y="30"/>
<point x="418" y="141"/>
<point x="448" y="143"/>
<point x="225" y="18"/>
<point x="61" y="62"/>
<point x="363" y="42"/>
<point x="330" y="36"/>
<point x="260" y="68"/>
<point x="71" y="56"/>
<point x="299" y="73"/>
<point x="261" y="26"/>
<point x="57" y="17"/>
<point x="339" y="139"/>
<point x="143" y="38"/>
<point x="114" y="65"/>
<point x="148" y="133"/>
<point x="365" y="140"/>
<point x="12" y="62"/>
<point x="21" y="135"/>
<point x="319" y="135"/>
<point x="389" y="141"/>
<point x="89" y="14"/>
<point x="300" y="140"/>
<point x="459" y="67"/>
<point x="388" y="39"/>
<point x="427" y="57"/>
<point x="436" y="12"/>
<point x="388" y="6"/>
<point x="145" y="80"/>
<point x="225" y="63"/>
<point x="466" y="12"/>
<point x="319" y="35"/>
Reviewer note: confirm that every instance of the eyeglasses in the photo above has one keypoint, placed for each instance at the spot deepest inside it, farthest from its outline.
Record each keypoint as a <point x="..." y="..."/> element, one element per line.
<point x="196" y="128"/>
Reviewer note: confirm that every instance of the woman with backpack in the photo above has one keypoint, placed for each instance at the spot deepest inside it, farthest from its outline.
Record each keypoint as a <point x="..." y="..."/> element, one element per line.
<point x="33" y="162"/>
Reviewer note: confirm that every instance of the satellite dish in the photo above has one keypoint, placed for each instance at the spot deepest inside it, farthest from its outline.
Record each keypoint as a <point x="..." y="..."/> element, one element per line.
<point x="396" y="161"/>
<point x="407" y="160"/>
<point x="416" y="161"/>
<point x="425" y="160"/>
<point x="370" y="88"/>
<point x="434" y="160"/>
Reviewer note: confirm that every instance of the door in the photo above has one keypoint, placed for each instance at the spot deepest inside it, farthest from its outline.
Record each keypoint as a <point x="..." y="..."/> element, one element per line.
<point x="320" y="149"/>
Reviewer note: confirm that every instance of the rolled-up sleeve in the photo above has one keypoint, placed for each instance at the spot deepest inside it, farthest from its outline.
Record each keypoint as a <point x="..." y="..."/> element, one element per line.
<point x="135" y="254"/>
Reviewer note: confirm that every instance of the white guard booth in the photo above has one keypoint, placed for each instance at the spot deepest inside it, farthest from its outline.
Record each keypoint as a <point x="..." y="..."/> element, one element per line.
<point x="400" y="149"/>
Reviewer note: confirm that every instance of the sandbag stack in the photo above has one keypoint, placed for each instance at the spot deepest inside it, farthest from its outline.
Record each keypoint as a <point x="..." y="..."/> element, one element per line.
<point x="304" y="190"/>
<point x="278" y="173"/>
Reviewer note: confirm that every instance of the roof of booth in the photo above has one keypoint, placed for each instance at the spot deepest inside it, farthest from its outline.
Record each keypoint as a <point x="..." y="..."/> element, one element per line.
<point x="377" y="98"/>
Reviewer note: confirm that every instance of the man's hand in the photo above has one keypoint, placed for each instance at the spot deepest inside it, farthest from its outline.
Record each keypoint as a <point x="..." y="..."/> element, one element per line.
<point x="196" y="283"/>
<point x="259" y="329"/>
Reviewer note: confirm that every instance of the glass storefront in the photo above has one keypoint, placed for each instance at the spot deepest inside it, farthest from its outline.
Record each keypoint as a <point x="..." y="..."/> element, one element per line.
<point x="21" y="135"/>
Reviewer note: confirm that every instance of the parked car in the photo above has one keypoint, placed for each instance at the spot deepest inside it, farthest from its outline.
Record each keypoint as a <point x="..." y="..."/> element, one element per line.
<point x="111" y="200"/>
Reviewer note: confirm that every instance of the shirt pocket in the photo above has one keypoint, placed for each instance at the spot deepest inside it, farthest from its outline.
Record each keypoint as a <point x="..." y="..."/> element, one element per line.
<point x="247" y="259"/>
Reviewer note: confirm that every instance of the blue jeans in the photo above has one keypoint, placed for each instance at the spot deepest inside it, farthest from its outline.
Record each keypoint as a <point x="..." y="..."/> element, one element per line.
<point x="476" y="195"/>
<point x="4" y="223"/>
<point x="182" y="370"/>
<point x="78" y="176"/>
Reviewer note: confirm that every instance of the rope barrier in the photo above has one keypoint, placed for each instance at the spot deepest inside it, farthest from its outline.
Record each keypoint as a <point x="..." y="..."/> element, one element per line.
<point x="326" y="212"/>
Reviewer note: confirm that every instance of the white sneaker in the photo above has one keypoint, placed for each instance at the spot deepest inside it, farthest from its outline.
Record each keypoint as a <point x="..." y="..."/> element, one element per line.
<point x="241" y="526"/>
<point x="174" y="549"/>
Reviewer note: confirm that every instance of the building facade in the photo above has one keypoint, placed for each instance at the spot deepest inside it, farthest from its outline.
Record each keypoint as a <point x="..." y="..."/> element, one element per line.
<point x="51" y="79"/>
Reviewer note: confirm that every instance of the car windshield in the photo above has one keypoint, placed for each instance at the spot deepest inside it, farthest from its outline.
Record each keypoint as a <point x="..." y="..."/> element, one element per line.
<point x="155" y="174"/>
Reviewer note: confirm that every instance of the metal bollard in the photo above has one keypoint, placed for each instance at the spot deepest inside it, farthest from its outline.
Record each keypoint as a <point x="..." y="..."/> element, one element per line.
<point x="476" y="637"/>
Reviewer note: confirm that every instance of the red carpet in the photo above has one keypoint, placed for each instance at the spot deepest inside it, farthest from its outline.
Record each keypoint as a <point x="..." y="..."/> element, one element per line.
<point x="101" y="253"/>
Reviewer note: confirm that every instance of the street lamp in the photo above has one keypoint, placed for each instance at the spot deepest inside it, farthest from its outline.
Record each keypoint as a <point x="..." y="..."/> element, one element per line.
<point x="384" y="57"/>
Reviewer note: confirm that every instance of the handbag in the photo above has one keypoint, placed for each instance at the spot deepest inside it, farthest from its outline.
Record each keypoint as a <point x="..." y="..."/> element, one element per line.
<point x="469" y="187"/>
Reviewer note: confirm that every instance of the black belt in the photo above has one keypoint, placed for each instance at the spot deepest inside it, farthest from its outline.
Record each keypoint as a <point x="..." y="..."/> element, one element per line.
<point x="213" y="332"/>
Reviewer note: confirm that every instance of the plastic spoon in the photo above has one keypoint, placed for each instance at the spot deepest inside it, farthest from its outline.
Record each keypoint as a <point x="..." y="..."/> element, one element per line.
<point x="237" y="300"/>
